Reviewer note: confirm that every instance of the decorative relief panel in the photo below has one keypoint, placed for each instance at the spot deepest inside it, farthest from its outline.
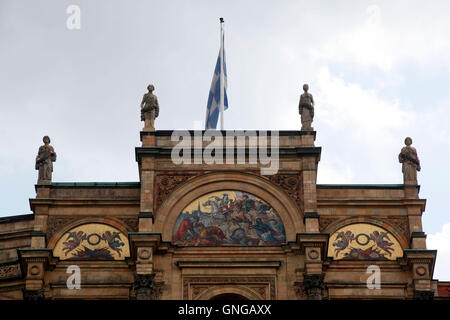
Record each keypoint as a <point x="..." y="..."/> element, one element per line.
<point x="228" y="217"/>
<point x="362" y="241"/>
<point x="325" y="221"/>
<point x="166" y="183"/>
<point x="291" y="183"/>
<point x="92" y="241"/>
<point x="55" y="223"/>
<point x="9" y="270"/>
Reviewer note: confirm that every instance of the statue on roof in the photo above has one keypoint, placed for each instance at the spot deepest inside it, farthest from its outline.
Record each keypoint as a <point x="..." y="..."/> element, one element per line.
<point x="44" y="162"/>
<point x="149" y="109"/>
<point x="306" y="108"/>
<point x="410" y="162"/>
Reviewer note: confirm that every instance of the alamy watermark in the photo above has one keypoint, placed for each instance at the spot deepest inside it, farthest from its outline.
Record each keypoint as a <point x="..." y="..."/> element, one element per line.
<point x="73" y="21"/>
<point x="236" y="147"/>
<point x="374" y="279"/>
<point x="74" y="280"/>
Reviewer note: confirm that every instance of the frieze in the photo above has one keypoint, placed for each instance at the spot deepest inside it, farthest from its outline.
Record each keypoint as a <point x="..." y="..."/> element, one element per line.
<point x="8" y="271"/>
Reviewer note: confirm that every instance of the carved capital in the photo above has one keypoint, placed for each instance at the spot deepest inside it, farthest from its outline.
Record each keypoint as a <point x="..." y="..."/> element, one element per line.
<point x="146" y="288"/>
<point x="423" y="295"/>
<point x="33" y="295"/>
<point x="313" y="285"/>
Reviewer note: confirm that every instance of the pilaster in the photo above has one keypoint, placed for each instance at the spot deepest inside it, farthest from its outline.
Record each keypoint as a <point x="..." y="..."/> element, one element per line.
<point x="314" y="246"/>
<point x="35" y="262"/>
<point x="143" y="247"/>
<point x="421" y="264"/>
<point x="147" y="178"/>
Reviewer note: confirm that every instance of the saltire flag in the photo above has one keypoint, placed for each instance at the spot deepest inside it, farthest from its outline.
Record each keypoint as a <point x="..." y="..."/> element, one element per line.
<point x="217" y="99"/>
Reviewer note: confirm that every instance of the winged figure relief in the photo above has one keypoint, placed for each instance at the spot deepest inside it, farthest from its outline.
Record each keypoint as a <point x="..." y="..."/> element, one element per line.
<point x="378" y="238"/>
<point x="73" y="240"/>
<point x="342" y="241"/>
<point x="114" y="241"/>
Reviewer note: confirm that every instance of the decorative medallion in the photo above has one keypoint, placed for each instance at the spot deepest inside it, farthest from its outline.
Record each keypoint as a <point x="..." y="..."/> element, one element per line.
<point x="228" y="217"/>
<point x="93" y="241"/>
<point x="362" y="241"/>
<point x="421" y="270"/>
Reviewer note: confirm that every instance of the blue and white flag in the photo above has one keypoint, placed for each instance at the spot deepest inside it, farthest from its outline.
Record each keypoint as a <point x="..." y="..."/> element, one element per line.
<point x="217" y="100"/>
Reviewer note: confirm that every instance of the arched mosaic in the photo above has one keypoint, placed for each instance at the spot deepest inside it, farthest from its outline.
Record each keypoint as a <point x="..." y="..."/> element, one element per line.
<point x="92" y="241"/>
<point x="228" y="217"/>
<point x="362" y="241"/>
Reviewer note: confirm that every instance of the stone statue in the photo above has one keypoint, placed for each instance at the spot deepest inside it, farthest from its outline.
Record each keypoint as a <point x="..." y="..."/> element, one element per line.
<point x="410" y="162"/>
<point x="149" y="109"/>
<point x="306" y="108"/>
<point x="44" y="162"/>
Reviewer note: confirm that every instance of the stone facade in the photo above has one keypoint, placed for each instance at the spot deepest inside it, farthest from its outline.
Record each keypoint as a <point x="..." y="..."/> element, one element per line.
<point x="329" y="235"/>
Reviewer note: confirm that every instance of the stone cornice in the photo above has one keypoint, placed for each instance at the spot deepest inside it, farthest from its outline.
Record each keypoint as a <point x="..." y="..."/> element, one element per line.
<point x="283" y="133"/>
<point x="83" y="202"/>
<point x="228" y="263"/>
<point x="371" y="202"/>
<point x="166" y="152"/>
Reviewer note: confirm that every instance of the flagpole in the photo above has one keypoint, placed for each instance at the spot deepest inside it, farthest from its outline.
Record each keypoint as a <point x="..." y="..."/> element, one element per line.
<point x="222" y="85"/>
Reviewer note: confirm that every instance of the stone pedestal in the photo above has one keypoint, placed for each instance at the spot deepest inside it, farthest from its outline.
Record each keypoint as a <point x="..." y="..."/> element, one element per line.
<point x="411" y="191"/>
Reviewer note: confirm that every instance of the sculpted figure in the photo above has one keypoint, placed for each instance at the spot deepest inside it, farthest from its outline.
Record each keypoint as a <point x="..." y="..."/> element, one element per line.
<point x="149" y="109"/>
<point x="410" y="162"/>
<point x="44" y="162"/>
<point x="306" y="108"/>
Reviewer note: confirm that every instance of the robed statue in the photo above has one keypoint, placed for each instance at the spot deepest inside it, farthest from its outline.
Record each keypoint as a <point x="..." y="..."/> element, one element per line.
<point x="44" y="162"/>
<point x="306" y="108"/>
<point x="149" y="109"/>
<point x="410" y="162"/>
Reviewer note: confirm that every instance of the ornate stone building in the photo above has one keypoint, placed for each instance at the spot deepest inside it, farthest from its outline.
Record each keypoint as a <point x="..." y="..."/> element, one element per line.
<point x="212" y="231"/>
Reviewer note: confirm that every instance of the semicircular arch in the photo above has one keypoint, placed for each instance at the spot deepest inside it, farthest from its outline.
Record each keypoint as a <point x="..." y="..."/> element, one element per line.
<point x="398" y="234"/>
<point x="113" y="222"/>
<point x="363" y="240"/>
<point x="245" y="292"/>
<point x="256" y="185"/>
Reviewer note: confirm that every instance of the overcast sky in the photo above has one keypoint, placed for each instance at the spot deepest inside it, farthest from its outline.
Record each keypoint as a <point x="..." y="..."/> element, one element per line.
<point x="378" y="71"/>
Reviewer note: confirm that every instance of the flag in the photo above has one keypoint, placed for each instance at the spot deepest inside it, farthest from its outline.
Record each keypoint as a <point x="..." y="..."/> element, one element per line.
<point x="217" y="99"/>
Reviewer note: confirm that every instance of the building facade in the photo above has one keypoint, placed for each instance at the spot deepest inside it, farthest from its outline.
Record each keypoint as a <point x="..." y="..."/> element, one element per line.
<point x="222" y="230"/>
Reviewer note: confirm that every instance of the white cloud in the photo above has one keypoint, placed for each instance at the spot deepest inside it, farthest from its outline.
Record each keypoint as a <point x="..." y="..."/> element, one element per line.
<point x="441" y="242"/>
<point x="348" y="106"/>
<point x="388" y="37"/>
<point x="366" y="129"/>
<point x="334" y="172"/>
